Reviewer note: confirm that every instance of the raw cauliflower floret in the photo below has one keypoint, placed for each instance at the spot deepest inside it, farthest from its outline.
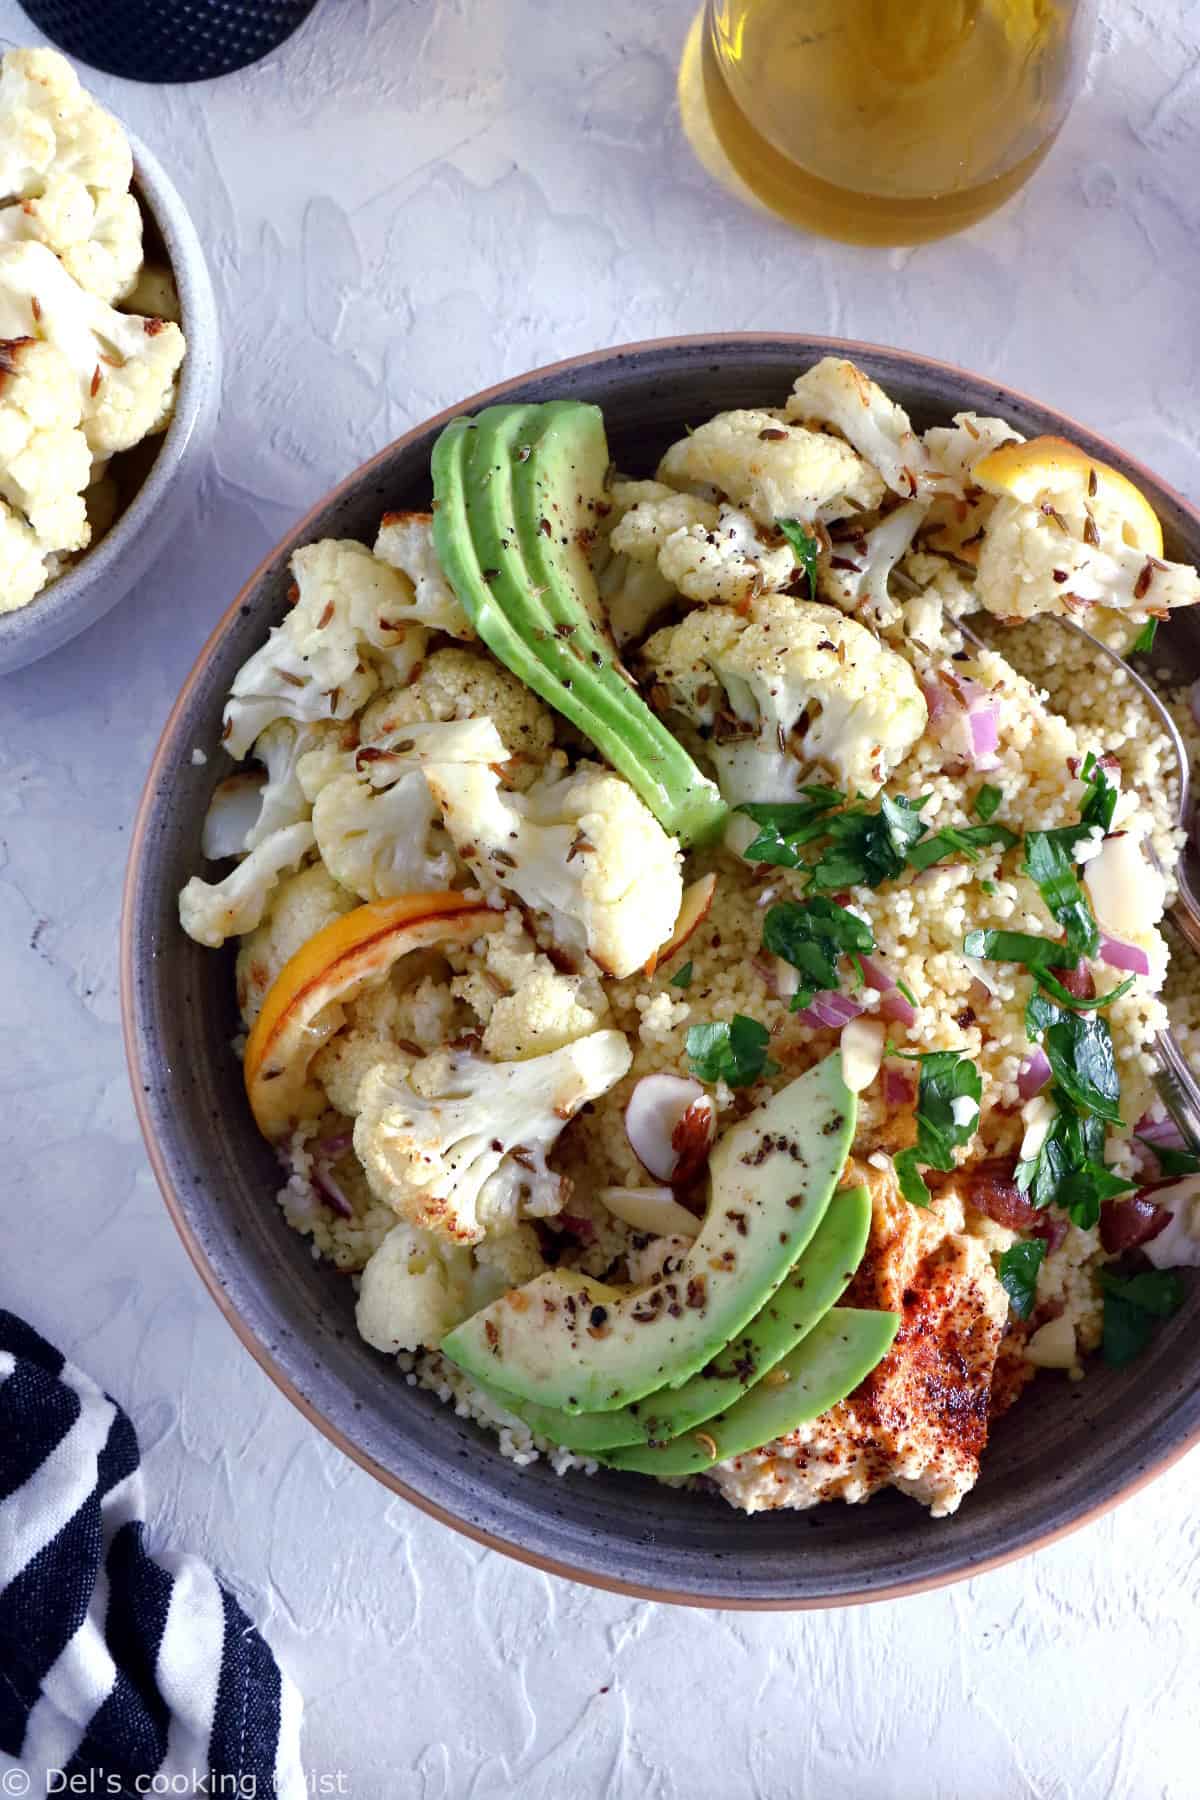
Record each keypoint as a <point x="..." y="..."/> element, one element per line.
<point x="1032" y="563"/>
<point x="545" y="1013"/>
<point x="22" y="560"/>
<point x="862" y="587"/>
<point x="124" y="366"/>
<point x="210" y="912"/>
<point x="776" y="470"/>
<point x="405" y="542"/>
<point x="383" y="842"/>
<point x="458" y="1144"/>
<point x="583" y="851"/>
<point x="45" y="463"/>
<point x="463" y="684"/>
<point x="322" y="662"/>
<point x="647" y="523"/>
<point x="300" y="906"/>
<point x="804" y="684"/>
<point x="415" y="1289"/>
<point x="836" y="392"/>
<point x="727" y="561"/>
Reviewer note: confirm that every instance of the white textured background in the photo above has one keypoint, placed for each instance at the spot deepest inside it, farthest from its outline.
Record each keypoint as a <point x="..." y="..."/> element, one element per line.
<point x="415" y="198"/>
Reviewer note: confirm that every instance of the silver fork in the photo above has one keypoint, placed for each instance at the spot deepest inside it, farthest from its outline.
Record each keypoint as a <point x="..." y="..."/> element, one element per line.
<point x="1175" y="1082"/>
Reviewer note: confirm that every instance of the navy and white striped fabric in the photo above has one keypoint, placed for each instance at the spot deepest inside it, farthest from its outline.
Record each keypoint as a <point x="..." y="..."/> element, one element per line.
<point x="115" y="1666"/>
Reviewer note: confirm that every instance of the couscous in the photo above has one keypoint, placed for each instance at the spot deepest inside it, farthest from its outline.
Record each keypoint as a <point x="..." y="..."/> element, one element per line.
<point x="525" y="943"/>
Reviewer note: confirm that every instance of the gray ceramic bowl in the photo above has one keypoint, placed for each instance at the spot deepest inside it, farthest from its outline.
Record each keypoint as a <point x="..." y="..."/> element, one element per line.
<point x="101" y="577"/>
<point x="1065" y="1453"/>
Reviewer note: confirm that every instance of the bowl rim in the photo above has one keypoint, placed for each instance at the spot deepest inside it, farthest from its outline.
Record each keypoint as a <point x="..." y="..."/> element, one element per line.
<point x="66" y="606"/>
<point x="708" y="342"/>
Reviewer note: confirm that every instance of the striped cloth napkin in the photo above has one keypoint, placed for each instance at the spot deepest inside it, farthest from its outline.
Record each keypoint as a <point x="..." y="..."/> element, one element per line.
<point x="116" y="1666"/>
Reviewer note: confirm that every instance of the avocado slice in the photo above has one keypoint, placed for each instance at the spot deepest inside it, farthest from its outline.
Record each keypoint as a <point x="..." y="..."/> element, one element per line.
<point x="816" y="1281"/>
<point x="566" y="1341"/>
<point x="838" y="1353"/>
<point x="516" y="494"/>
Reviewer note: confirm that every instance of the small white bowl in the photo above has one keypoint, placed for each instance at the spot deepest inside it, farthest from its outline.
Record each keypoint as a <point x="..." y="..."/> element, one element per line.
<point x="93" y="585"/>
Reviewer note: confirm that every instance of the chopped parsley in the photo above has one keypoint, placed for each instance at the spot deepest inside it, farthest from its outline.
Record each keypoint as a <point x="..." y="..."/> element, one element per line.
<point x="1069" y="1169"/>
<point x="1080" y="1051"/>
<point x="731" y="1050"/>
<point x="1050" y="862"/>
<point x="1134" y="1306"/>
<point x="968" y="840"/>
<point x="1100" y="803"/>
<point x="1041" y="956"/>
<point x="1019" y="1272"/>
<point x="806" y="548"/>
<point x="867" y="848"/>
<point x="1145" y="638"/>
<point x="987" y="800"/>
<point x="682" y="978"/>
<point x="1171" y="1162"/>
<point x="989" y="887"/>
<point x="812" y="935"/>
<point x="948" y="1098"/>
<point x="785" y="826"/>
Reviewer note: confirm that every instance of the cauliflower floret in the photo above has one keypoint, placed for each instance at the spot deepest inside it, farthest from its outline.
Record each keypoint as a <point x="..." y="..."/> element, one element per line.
<point x="301" y="906"/>
<point x="405" y="542"/>
<point x="384" y="760"/>
<point x="45" y="463"/>
<point x="778" y="471"/>
<point x="545" y="1013"/>
<point x="321" y="663"/>
<point x="22" y="560"/>
<point x="835" y="392"/>
<point x="463" y="684"/>
<point x="385" y="1024"/>
<point x="210" y="912"/>
<point x="383" y="842"/>
<point x="789" y="685"/>
<point x="282" y="800"/>
<point x="929" y="616"/>
<point x="647" y="523"/>
<point x="583" y="851"/>
<point x="504" y="1260"/>
<point x="97" y="239"/>
<point x="125" y="366"/>
<point x="459" y="1144"/>
<point x="862" y="588"/>
<point x="154" y="293"/>
<point x="1032" y="563"/>
<point x="728" y="561"/>
<point x="956" y="448"/>
<point x="415" y="1289"/>
<point x="632" y="594"/>
<point x="49" y="122"/>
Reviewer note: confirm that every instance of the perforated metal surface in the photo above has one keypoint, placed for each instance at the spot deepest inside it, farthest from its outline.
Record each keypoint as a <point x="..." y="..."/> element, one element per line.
<point x="168" y="40"/>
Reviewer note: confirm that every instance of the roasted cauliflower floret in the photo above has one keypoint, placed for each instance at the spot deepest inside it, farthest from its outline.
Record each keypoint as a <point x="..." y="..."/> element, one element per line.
<point x="956" y="448"/>
<point x="776" y="470"/>
<point x="727" y="562"/>
<point x="322" y="662"/>
<point x="658" y="512"/>
<point x="463" y="684"/>
<point x="45" y="463"/>
<point x="1029" y="564"/>
<point x="405" y="542"/>
<point x="836" y="392"/>
<point x="415" y="1289"/>
<point x="98" y="239"/>
<point x="385" y="1022"/>
<point x="210" y="912"/>
<point x="124" y="366"/>
<point x="583" y="852"/>
<point x="300" y="906"/>
<point x="855" y="575"/>
<point x="22" y="560"/>
<point x="789" y="685"/>
<point x="283" y="800"/>
<point x="458" y="1144"/>
<point x="382" y="842"/>
<point x="545" y="1013"/>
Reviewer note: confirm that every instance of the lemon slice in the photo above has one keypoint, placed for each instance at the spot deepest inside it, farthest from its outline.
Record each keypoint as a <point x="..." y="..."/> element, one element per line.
<point x="351" y="953"/>
<point x="1047" y="467"/>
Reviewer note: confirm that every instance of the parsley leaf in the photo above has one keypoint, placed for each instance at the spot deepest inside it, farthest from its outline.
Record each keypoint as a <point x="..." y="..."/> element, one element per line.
<point x="1100" y="802"/>
<point x="969" y="840"/>
<point x="1145" y="638"/>
<point x="943" y="1122"/>
<point x="682" y="977"/>
<point x="806" y="548"/>
<point x="987" y="800"/>
<point x="1068" y="1171"/>
<point x="1080" y="1050"/>
<point x="1019" y="1272"/>
<point x="1171" y="1162"/>
<point x="1049" y="861"/>
<point x="812" y="935"/>
<point x="787" y="825"/>
<point x="989" y="887"/>
<point x="867" y="848"/>
<point x="1041" y="956"/>
<point x="732" y="1050"/>
<point x="1133" y="1307"/>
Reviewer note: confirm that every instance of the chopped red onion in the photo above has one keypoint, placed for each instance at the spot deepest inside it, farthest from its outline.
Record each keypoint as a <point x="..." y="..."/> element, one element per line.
<point x="333" y="1147"/>
<point x="1117" y="955"/>
<point x="1033" y="1074"/>
<point x="899" y="1088"/>
<point x="876" y="975"/>
<point x="331" y="1192"/>
<point x="892" y="1005"/>
<point x="829" y="1010"/>
<point x="580" y="1228"/>
<point x="1160" y="1131"/>
<point x="896" y="1009"/>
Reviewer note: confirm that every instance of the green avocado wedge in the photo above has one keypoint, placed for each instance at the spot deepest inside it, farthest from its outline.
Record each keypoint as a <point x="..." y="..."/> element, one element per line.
<point x="517" y="494"/>
<point x="815" y="1283"/>
<point x="838" y="1353"/>
<point x="569" y="1342"/>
